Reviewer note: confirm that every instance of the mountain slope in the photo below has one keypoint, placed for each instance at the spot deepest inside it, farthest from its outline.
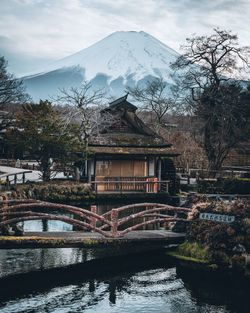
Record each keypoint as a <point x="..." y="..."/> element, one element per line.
<point x="122" y="58"/>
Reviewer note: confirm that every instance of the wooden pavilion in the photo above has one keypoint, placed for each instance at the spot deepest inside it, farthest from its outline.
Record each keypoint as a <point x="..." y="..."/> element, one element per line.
<point x="127" y="156"/>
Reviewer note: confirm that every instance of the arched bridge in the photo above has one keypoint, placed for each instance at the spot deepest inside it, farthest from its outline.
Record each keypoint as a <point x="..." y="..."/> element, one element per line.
<point x="115" y="223"/>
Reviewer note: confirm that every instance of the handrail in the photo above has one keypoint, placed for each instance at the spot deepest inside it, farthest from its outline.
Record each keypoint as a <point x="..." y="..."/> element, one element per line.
<point x="68" y="208"/>
<point x="15" y="173"/>
<point x="146" y="213"/>
<point x="136" y="184"/>
<point x="129" y="181"/>
<point x="137" y="205"/>
<point x="107" y="224"/>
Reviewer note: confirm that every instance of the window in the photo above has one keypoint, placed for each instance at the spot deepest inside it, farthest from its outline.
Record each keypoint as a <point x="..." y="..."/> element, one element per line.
<point x="121" y="168"/>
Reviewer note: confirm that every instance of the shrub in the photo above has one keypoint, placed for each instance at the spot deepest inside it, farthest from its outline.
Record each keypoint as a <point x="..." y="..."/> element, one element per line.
<point x="218" y="239"/>
<point x="225" y="185"/>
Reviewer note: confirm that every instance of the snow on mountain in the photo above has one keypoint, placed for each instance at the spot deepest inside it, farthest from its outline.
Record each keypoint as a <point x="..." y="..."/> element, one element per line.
<point x="122" y="58"/>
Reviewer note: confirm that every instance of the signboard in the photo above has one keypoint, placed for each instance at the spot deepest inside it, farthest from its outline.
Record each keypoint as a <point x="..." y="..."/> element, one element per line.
<point x="217" y="217"/>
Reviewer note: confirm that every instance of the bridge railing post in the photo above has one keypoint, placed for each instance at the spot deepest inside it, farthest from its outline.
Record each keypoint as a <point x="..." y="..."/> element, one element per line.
<point x="93" y="209"/>
<point x="7" y="181"/>
<point x="4" y="229"/>
<point x="114" y="221"/>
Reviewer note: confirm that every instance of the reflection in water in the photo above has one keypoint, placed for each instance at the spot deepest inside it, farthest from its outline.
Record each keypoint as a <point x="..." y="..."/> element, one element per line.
<point x="233" y="293"/>
<point x="156" y="288"/>
<point x="13" y="261"/>
<point x="23" y="260"/>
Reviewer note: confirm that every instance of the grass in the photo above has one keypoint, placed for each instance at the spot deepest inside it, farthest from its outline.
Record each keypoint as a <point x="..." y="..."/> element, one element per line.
<point x="52" y="241"/>
<point x="191" y="251"/>
<point x="6" y="241"/>
<point x="186" y="258"/>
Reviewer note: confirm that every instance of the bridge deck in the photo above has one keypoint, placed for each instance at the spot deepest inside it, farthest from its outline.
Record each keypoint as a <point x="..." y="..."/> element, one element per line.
<point x="89" y="239"/>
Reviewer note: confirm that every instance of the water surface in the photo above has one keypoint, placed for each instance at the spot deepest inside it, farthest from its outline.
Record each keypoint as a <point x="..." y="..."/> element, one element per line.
<point x="151" y="288"/>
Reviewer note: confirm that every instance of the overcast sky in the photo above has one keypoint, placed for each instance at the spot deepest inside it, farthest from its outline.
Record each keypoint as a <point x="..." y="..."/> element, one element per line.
<point x="34" y="32"/>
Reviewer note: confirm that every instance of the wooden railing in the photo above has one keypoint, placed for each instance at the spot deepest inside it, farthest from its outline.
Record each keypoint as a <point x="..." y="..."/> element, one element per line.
<point x="14" y="178"/>
<point x="130" y="184"/>
<point x="113" y="224"/>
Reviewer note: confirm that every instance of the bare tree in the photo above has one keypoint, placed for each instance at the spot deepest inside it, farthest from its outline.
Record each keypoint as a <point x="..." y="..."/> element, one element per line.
<point x="208" y="71"/>
<point x="84" y="106"/>
<point x="154" y="98"/>
<point x="191" y="153"/>
<point x="211" y="60"/>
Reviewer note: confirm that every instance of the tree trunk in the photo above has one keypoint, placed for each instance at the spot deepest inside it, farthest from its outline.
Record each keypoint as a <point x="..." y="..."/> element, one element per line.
<point x="46" y="172"/>
<point x="210" y="151"/>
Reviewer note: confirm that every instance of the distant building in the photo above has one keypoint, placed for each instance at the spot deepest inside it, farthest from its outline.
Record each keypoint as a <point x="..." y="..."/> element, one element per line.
<point x="128" y="156"/>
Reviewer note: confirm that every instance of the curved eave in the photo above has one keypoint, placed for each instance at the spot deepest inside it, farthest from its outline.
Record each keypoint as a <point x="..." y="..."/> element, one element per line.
<point x="157" y="151"/>
<point x="135" y="146"/>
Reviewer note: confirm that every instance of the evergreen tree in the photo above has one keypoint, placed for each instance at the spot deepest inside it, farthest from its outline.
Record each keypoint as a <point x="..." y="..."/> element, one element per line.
<point x="41" y="133"/>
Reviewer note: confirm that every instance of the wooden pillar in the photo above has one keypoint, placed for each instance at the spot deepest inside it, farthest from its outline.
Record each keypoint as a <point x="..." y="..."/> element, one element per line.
<point x="159" y="169"/>
<point x="7" y="181"/>
<point x="167" y="187"/>
<point x="45" y="226"/>
<point x="93" y="209"/>
<point x="156" y="185"/>
<point x="159" y="173"/>
<point x="114" y="221"/>
<point x="94" y="168"/>
<point x="88" y="171"/>
<point x="4" y="229"/>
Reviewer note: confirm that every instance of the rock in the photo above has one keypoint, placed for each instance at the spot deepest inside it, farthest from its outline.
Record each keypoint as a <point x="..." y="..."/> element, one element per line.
<point x="5" y="230"/>
<point x="180" y="226"/>
<point x="239" y="249"/>
<point x="18" y="230"/>
<point x="238" y="262"/>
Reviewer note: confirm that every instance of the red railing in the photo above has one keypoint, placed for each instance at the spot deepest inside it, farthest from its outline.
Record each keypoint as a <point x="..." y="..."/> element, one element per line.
<point x="130" y="184"/>
<point x="113" y="224"/>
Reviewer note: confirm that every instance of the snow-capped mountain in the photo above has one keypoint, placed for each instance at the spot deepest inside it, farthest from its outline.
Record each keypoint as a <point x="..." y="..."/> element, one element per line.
<point x="121" y="59"/>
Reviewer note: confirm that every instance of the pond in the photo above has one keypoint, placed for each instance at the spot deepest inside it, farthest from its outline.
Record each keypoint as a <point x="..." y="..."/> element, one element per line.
<point x="147" y="285"/>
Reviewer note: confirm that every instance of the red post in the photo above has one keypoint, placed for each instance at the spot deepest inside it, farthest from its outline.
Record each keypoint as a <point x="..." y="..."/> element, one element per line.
<point x="147" y="186"/>
<point x="114" y="221"/>
<point x="155" y="185"/>
<point x="93" y="209"/>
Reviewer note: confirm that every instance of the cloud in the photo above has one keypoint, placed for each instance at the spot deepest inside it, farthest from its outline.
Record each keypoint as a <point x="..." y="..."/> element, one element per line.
<point x="51" y="29"/>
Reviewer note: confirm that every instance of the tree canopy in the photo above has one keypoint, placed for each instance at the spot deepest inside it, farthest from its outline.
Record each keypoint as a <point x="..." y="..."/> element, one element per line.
<point x="41" y="132"/>
<point x="209" y="69"/>
<point x="11" y="89"/>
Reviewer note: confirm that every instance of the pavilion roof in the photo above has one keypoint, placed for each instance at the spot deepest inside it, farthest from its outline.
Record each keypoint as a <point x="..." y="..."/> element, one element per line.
<point x="128" y="130"/>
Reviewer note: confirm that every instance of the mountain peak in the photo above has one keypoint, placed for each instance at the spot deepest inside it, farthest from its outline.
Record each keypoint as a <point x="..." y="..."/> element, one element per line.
<point x="124" y="56"/>
<point x="121" y="54"/>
